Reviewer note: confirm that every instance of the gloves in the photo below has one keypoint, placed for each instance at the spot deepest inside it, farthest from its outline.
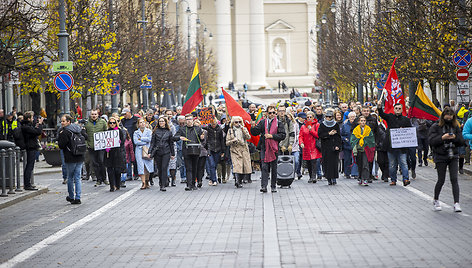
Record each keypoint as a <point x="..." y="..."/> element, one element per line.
<point x="290" y="148"/>
<point x="283" y="149"/>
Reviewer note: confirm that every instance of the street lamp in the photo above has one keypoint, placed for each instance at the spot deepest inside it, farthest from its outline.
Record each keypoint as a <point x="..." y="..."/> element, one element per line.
<point x="333" y="7"/>
<point x="324" y="19"/>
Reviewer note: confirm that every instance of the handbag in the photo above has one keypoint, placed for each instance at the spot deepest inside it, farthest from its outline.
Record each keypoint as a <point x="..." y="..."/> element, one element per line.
<point x="145" y="153"/>
<point x="193" y="148"/>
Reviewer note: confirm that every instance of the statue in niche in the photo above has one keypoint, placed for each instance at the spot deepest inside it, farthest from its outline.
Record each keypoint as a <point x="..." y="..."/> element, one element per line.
<point x="277" y="56"/>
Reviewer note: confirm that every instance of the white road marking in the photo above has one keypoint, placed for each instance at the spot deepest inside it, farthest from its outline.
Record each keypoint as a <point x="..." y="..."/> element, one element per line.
<point x="271" y="240"/>
<point x="430" y="198"/>
<point x="65" y="231"/>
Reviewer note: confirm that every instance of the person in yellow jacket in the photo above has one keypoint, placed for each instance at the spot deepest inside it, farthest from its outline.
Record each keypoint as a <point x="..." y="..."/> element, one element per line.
<point x="7" y="131"/>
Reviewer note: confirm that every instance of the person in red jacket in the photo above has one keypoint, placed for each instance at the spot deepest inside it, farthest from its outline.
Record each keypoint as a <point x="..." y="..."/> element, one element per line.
<point x="308" y="137"/>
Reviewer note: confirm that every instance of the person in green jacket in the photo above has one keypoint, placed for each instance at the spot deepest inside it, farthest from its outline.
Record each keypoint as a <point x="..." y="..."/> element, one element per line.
<point x="95" y="124"/>
<point x="363" y="149"/>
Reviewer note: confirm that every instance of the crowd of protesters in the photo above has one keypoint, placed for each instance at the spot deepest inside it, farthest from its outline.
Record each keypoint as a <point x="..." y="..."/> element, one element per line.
<point x="352" y="140"/>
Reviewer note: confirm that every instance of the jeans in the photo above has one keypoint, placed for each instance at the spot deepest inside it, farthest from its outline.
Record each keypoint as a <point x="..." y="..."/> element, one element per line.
<point x="180" y="159"/>
<point x="296" y="157"/>
<point x="319" y="172"/>
<point x="453" y="170"/>
<point x="395" y="158"/>
<point x="423" y="149"/>
<point x="212" y="162"/>
<point x="74" y="171"/>
<point x="347" y="162"/>
<point x="64" y="169"/>
<point x="28" y="172"/>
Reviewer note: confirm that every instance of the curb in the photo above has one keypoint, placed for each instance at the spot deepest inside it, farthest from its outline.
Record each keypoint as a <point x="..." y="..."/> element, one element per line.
<point x="23" y="197"/>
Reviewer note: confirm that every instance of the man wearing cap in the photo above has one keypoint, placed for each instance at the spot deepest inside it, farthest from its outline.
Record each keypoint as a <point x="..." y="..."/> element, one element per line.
<point x="95" y="124"/>
<point x="130" y="122"/>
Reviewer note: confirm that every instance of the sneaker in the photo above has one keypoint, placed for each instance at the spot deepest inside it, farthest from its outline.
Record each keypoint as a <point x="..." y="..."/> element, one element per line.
<point x="123" y="184"/>
<point x="437" y="205"/>
<point x="366" y="183"/>
<point x="406" y="182"/>
<point x="425" y="163"/>
<point x="263" y="190"/>
<point x="310" y="180"/>
<point x="68" y="199"/>
<point x="219" y="180"/>
<point x="76" y="202"/>
<point x="420" y="164"/>
<point x="457" y="207"/>
<point x="274" y="190"/>
<point x="393" y="183"/>
<point x="64" y="181"/>
<point x="347" y="177"/>
<point x="188" y="189"/>
<point x="299" y="176"/>
<point x="461" y="171"/>
<point x="107" y="183"/>
<point x="210" y="183"/>
<point x="183" y="181"/>
<point x="98" y="183"/>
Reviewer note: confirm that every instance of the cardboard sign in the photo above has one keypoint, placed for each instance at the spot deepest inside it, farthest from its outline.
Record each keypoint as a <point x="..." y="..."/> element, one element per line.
<point x="206" y="116"/>
<point x="403" y="137"/>
<point x="106" y="139"/>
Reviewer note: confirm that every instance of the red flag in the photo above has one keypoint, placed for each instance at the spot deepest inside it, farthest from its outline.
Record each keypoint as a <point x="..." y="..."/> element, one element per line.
<point x="233" y="107"/>
<point x="394" y="92"/>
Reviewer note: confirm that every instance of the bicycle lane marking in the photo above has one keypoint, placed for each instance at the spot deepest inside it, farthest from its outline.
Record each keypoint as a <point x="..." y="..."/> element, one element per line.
<point x="65" y="231"/>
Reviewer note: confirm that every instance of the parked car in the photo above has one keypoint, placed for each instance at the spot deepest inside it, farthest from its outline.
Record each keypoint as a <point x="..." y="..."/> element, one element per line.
<point x="300" y="100"/>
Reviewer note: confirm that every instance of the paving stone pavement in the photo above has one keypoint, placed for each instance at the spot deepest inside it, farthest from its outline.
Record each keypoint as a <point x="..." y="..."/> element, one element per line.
<point x="308" y="225"/>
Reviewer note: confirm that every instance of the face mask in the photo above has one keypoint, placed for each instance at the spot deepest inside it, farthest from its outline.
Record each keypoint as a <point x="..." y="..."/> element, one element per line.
<point x="448" y="120"/>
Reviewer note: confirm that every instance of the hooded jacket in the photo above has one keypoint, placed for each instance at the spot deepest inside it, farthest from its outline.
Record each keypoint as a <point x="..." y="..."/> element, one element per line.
<point x="64" y="141"/>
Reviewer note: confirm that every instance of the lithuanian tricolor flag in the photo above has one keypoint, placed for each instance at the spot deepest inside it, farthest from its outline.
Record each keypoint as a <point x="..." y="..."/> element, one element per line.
<point x="259" y="115"/>
<point x="422" y="107"/>
<point x="194" y="93"/>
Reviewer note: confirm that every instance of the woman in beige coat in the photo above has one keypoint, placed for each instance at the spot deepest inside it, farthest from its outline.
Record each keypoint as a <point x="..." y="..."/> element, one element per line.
<point x="240" y="157"/>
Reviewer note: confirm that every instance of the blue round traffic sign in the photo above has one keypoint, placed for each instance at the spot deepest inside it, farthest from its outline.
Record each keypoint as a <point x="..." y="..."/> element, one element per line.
<point x="63" y="81"/>
<point x="461" y="58"/>
<point x="115" y="89"/>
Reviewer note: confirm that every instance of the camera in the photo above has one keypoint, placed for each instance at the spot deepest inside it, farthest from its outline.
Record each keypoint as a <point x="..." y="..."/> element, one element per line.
<point x="450" y="149"/>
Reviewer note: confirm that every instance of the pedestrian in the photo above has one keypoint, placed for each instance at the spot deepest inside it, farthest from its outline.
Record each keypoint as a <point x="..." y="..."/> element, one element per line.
<point x="422" y="128"/>
<point x="9" y="128"/>
<point x="308" y="139"/>
<point x="240" y="157"/>
<point x="130" y="158"/>
<point x="216" y="147"/>
<point x="115" y="158"/>
<point x="381" y="148"/>
<point x="130" y="122"/>
<point x="346" y="131"/>
<point x="69" y="135"/>
<point x="294" y="147"/>
<point x="363" y="149"/>
<point x="289" y="128"/>
<point x="30" y="130"/>
<point x="162" y="150"/>
<point x="330" y="137"/>
<point x="180" y="157"/>
<point x="173" y="161"/>
<point x="445" y="138"/>
<point x="272" y="132"/>
<point x="191" y="137"/>
<point x="93" y="125"/>
<point x="144" y="163"/>
<point x="396" y="156"/>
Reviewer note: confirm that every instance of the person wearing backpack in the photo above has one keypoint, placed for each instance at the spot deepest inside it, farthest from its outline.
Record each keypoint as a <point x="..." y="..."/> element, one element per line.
<point x="71" y="140"/>
<point x="30" y="132"/>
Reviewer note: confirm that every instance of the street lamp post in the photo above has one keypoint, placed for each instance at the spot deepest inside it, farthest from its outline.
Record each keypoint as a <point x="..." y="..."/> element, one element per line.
<point x="143" y="22"/>
<point x="333" y="11"/>
<point x="360" y="91"/>
<point x="63" y="52"/>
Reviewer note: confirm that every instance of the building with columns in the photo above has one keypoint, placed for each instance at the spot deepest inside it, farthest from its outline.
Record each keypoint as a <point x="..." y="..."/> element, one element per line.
<point x="257" y="42"/>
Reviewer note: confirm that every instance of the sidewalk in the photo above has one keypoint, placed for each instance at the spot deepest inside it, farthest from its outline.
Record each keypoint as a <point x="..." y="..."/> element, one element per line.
<point x="40" y="168"/>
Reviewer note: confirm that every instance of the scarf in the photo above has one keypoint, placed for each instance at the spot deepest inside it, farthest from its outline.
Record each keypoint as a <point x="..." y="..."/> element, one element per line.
<point x="358" y="133"/>
<point x="329" y="123"/>
<point x="271" y="146"/>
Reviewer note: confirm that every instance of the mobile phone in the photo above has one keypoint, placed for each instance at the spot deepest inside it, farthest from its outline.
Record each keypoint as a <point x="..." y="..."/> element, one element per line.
<point x="450" y="134"/>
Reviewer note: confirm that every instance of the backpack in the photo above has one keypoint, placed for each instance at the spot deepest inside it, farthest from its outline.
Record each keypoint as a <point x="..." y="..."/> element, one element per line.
<point x="77" y="144"/>
<point x="18" y="137"/>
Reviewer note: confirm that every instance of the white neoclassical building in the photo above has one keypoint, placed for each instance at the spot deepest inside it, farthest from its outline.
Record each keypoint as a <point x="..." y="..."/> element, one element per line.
<point x="258" y="42"/>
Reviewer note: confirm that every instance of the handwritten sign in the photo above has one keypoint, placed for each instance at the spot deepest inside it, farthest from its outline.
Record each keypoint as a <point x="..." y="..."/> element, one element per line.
<point x="206" y="116"/>
<point x="403" y="137"/>
<point x="106" y="139"/>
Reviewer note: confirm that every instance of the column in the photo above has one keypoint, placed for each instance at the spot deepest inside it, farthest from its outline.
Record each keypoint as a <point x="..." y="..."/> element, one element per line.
<point x="224" y="49"/>
<point x="257" y="43"/>
<point x="312" y="56"/>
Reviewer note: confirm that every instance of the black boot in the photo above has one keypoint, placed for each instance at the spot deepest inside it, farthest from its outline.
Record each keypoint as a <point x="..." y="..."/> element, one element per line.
<point x="239" y="183"/>
<point x="173" y="182"/>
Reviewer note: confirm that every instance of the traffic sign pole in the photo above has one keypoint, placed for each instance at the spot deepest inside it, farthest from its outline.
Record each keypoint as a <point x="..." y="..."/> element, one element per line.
<point x="63" y="53"/>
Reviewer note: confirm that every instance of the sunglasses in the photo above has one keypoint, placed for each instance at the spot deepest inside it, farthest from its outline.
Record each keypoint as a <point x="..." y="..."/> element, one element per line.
<point x="114" y="123"/>
<point x="237" y="122"/>
<point x="271" y="113"/>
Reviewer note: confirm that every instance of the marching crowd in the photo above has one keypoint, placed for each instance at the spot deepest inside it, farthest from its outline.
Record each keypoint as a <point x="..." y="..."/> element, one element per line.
<point x="351" y="139"/>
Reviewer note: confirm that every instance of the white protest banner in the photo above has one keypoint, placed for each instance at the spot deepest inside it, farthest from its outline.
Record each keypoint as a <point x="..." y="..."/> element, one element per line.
<point x="106" y="139"/>
<point x="403" y="137"/>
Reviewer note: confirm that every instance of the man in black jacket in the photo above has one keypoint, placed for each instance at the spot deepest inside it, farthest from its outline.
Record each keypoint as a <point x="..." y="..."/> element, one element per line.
<point x="73" y="162"/>
<point x="30" y="135"/>
<point x="269" y="144"/>
<point x="216" y="148"/>
<point x="190" y="134"/>
<point x="396" y="156"/>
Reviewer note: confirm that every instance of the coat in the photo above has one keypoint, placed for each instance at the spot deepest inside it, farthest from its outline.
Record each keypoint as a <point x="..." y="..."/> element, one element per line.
<point x="94" y="127"/>
<point x="440" y="151"/>
<point x="394" y="121"/>
<point x="162" y="142"/>
<point x="143" y="139"/>
<point x="240" y="156"/>
<point x="346" y="131"/>
<point x="64" y="142"/>
<point x="116" y="157"/>
<point x="30" y="134"/>
<point x="129" y="151"/>
<point x="308" y="139"/>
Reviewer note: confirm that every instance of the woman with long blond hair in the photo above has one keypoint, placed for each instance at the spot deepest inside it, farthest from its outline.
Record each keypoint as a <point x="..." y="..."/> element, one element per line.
<point x="142" y="139"/>
<point x="240" y="156"/>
